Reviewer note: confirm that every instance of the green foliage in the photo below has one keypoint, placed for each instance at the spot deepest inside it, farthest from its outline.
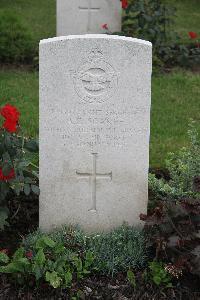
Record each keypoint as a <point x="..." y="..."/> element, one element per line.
<point x="173" y="223"/>
<point x="131" y="278"/>
<point x="119" y="250"/>
<point x="14" y="155"/>
<point x="184" y="169"/>
<point x="16" y="44"/>
<point x="47" y="260"/>
<point x="159" y="275"/>
<point x="149" y="20"/>
<point x="152" y="20"/>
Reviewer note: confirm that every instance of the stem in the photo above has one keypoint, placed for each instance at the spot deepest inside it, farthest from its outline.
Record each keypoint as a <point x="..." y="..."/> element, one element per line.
<point x="16" y="212"/>
<point x="34" y="165"/>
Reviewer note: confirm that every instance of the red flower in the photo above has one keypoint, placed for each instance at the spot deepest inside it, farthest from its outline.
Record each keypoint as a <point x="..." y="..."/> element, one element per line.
<point x="9" y="176"/>
<point x="29" y="254"/>
<point x="192" y="34"/>
<point x="124" y="4"/>
<point x="105" y="26"/>
<point x="11" y="115"/>
<point x="10" y="125"/>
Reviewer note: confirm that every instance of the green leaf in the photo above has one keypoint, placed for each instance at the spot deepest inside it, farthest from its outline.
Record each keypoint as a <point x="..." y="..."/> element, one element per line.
<point x="45" y="241"/>
<point x="6" y="157"/>
<point x="37" y="271"/>
<point x="40" y="257"/>
<point x="32" y="145"/>
<point x="89" y="258"/>
<point x="16" y="266"/>
<point x="35" y="189"/>
<point x="19" y="253"/>
<point x="4" y="258"/>
<point x="27" y="189"/>
<point x="6" y="168"/>
<point x="131" y="278"/>
<point x="53" y="279"/>
<point x="68" y="279"/>
<point x="157" y="279"/>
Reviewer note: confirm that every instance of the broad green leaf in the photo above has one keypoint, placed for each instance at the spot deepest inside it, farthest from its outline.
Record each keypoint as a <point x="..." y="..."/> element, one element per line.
<point x="37" y="271"/>
<point x="19" y="253"/>
<point x="68" y="279"/>
<point x="4" y="258"/>
<point x="45" y="241"/>
<point x="40" y="257"/>
<point x="53" y="279"/>
<point x="131" y="278"/>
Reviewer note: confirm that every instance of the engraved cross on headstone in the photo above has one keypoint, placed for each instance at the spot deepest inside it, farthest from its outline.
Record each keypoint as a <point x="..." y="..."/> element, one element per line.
<point x="89" y="9"/>
<point x="93" y="177"/>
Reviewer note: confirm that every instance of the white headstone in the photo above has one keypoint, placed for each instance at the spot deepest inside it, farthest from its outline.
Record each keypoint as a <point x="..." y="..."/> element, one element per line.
<point x="88" y="16"/>
<point x="94" y="130"/>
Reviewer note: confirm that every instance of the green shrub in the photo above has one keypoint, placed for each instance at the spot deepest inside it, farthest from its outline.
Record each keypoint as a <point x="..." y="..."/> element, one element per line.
<point x="16" y="44"/>
<point x="17" y="173"/>
<point x="159" y="275"/>
<point x="149" y="20"/>
<point x="184" y="169"/>
<point x="47" y="260"/>
<point x="152" y="20"/>
<point x="118" y="250"/>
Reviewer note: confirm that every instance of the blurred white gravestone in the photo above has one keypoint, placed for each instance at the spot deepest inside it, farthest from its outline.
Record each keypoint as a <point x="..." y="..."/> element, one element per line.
<point x="95" y="93"/>
<point x="88" y="16"/>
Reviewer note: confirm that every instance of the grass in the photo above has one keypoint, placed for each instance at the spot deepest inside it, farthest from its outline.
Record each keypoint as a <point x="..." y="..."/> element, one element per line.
<point x="175" y="99"/>
<point x="39" y="16"/>
<point x="20" y="88"/>
<point x="187" y="16"/>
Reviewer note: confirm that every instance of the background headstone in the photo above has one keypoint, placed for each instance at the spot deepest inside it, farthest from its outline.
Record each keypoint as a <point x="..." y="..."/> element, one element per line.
<point x="88" y="16"/>
<point x="94" y="130"/>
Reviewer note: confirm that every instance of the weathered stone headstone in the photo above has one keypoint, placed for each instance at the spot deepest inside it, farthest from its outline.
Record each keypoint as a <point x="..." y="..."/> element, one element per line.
<point x="88" y="16"/>
<point x="94" y="130"/>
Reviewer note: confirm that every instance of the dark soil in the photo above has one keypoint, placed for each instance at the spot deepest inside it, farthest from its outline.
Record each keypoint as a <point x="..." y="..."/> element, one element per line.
<point x="24" y="219"/>
<point x="104" y="288"/>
